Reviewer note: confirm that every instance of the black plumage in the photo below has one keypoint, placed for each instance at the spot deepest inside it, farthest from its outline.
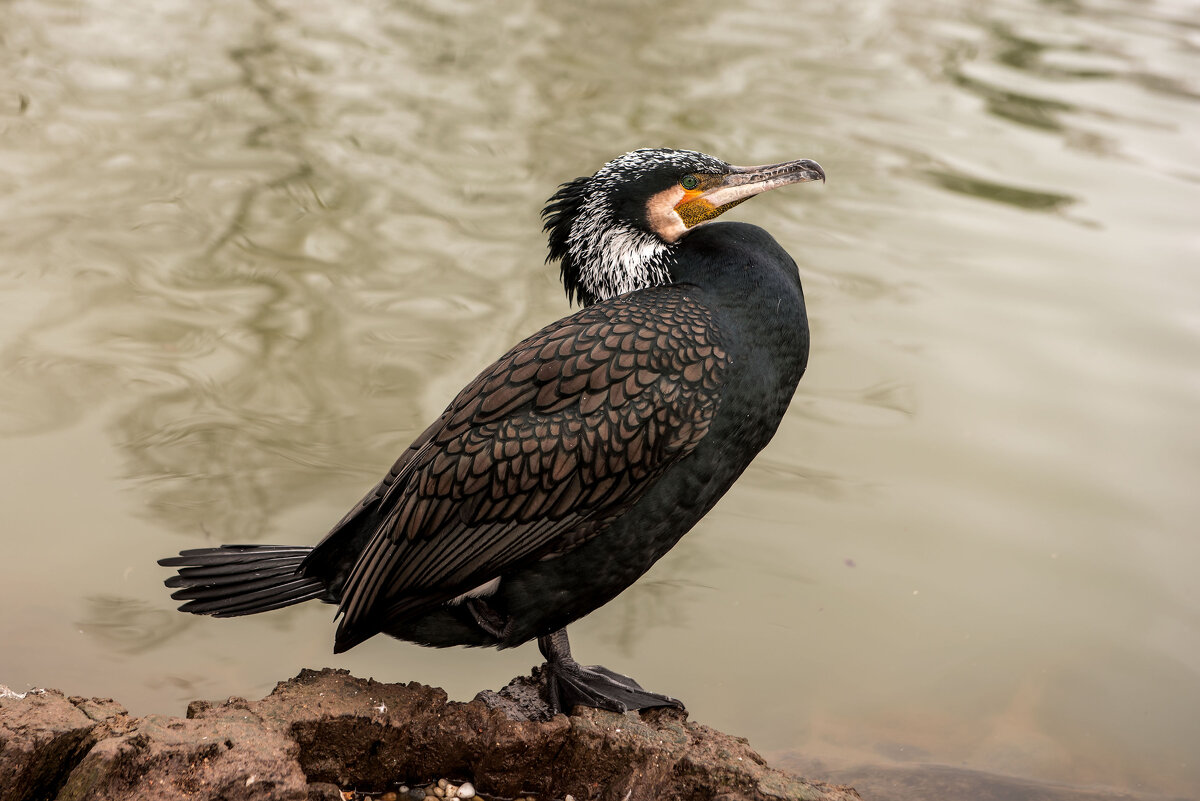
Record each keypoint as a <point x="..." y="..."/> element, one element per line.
<point x="567" y="468"/>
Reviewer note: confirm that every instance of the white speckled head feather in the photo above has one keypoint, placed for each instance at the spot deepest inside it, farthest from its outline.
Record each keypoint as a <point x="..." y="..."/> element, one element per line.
<point x="604" y="251"/>
<point x="614" y="257"/>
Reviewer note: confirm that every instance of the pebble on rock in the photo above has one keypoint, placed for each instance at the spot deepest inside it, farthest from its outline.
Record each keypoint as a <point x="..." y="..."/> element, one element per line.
<point x="443" y="789"/>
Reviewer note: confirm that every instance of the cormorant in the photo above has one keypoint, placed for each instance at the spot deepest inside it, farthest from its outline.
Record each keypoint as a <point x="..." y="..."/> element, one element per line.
<point x="566" y="469"/>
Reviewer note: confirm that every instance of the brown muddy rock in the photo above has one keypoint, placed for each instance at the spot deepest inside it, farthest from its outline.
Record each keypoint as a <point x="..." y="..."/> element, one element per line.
<point x="326" y="730"/>
<point x="43" y="736"/>
<point x="161" y="757"/>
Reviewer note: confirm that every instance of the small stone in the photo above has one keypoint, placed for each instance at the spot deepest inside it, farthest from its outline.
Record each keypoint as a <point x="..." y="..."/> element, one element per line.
<point x="451" y="790"/>
<point x="466" y="790"/>
<point x="416" y="793"/>
<point x="389" y="796"/>
<point x="442" y="783"/>
<point x="440" y="792"/>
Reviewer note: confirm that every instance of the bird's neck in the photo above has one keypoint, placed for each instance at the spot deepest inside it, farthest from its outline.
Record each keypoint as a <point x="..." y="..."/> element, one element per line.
<point x="754" y="282"/>
<point x="617" y="258"/>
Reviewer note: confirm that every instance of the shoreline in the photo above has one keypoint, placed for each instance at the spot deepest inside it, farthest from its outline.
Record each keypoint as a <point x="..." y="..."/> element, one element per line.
<point x="328" y="735"/>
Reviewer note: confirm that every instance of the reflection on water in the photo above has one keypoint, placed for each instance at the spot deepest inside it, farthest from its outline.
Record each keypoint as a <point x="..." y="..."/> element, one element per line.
<point x="1035" y="112"/>
<point x="128" y="625"/>
<point x="1000" y="193"/>
<point x="247" y="250"/>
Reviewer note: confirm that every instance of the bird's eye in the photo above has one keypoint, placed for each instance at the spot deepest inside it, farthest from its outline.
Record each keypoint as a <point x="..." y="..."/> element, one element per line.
<point x="689" y="182"/>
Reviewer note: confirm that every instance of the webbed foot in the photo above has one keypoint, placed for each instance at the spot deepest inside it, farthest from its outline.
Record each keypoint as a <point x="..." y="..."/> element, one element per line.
<point x="570" y="684"/>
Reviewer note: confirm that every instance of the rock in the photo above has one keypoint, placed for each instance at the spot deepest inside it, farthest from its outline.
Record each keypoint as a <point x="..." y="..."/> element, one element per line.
<point x="233" y="758"/>
<point x="43" y="737"/>
<point x="324" y="730"/>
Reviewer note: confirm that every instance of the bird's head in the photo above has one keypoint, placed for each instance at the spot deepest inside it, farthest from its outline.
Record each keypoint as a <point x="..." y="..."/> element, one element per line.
<point x="615" y="231"/>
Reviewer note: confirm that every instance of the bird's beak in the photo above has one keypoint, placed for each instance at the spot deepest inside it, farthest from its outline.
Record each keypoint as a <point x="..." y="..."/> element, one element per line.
<point x="719" y="193"/>
<point x="741" y="183"/>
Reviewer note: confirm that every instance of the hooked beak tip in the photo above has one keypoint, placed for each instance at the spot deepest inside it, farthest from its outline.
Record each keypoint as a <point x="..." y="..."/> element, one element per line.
<point x="813" y="167"/>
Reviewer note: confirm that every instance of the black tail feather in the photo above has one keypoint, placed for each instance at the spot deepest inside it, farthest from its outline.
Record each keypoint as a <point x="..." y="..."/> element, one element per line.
<point x="237" y="580"/>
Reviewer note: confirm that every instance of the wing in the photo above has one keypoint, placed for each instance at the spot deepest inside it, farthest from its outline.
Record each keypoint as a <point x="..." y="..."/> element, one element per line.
<point x="566" y="430"/>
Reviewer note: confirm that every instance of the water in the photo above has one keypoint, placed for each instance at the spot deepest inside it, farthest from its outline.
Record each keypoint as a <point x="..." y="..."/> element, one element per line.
<point x="248" y="249"/>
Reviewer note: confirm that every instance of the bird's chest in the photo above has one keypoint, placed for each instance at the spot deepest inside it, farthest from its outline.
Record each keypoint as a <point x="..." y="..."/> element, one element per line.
<point x="764" y="371"/>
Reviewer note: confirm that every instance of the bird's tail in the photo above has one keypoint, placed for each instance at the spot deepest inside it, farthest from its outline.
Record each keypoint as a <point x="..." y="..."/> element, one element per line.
<point x="237" y="580"/>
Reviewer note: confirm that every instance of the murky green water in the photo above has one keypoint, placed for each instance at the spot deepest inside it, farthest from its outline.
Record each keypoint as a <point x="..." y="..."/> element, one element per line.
<point x="248" y="249"/>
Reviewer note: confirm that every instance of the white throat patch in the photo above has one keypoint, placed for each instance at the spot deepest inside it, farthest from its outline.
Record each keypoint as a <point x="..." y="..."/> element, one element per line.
<point x="614" y="257"/>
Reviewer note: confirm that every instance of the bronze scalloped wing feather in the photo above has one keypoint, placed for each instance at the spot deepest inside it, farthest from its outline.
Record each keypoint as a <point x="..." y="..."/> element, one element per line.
<point x="565" y="431"/>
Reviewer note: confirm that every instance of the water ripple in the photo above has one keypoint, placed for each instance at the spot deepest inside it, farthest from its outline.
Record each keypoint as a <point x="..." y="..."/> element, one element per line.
<point x="251" y="248"/>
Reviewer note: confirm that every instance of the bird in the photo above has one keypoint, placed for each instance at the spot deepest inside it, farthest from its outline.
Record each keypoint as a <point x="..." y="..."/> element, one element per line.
<point x="568" y="467"/>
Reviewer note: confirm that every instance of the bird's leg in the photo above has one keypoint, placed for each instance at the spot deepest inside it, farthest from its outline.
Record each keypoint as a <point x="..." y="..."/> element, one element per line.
<point x="570" y="684"/>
